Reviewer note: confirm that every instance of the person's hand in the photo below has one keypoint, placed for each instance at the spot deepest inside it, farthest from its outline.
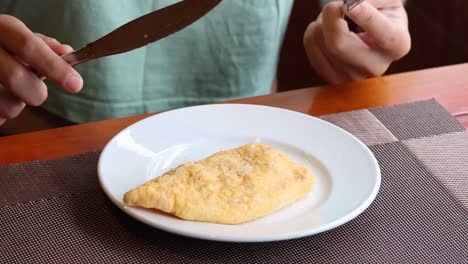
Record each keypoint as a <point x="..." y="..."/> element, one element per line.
<point x="20" y="48"/>
<point x="340" y="55"/>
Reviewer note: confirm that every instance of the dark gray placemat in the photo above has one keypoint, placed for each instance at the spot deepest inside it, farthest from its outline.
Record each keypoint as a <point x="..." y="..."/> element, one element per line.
<point x="423" y="119"/>
<point x="414" y="219"/>
<point x="37" y="180"/>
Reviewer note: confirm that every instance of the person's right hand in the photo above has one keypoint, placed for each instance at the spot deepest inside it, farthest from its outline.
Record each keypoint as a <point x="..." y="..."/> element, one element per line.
<point x="20" y="48"/>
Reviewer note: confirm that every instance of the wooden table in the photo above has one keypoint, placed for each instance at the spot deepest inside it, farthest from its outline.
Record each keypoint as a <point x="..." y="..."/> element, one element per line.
<point x="449" y="85"/>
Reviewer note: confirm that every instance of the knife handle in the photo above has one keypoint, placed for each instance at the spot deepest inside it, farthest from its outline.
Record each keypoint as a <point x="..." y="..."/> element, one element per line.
<point x="350" y="4"/>
<point x="73" y="58"/>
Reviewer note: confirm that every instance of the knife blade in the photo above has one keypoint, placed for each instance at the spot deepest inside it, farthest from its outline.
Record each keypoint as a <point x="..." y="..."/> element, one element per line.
<point x="142" y="31"/>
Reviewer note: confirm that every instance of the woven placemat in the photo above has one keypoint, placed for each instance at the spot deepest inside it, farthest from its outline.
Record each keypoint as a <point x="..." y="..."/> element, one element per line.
<point x="54" y="211"/>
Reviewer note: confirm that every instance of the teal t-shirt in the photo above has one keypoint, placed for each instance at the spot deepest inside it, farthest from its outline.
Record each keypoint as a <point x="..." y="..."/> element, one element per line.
<point x="230" y="53"/>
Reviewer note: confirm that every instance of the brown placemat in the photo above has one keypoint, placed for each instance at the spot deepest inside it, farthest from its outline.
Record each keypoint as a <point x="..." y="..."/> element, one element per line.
<point x="54" y="212"/>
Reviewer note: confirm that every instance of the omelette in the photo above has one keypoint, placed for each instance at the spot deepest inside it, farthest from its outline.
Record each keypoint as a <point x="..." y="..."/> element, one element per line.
<point x="229" y="187"/>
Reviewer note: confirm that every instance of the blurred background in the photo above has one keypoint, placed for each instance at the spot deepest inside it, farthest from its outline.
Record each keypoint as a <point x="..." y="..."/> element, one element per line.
<point x="438" y="29"/>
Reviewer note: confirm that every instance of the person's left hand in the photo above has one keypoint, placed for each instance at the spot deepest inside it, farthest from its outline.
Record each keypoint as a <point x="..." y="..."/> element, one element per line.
<point x="340" y="55"/>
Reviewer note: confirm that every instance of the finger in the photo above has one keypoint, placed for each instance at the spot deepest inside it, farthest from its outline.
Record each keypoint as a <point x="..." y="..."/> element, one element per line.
<point x="332" y="20"/>
<point x="341" y="43"/>
<point x="385" y="3"/>
<point x="10" y="106"/>
<point x="2" y="120"/>
<point x="20" y="41"/>
<point x="339" y="40"/>
<point x="314" y="45"/>
<point x="389" y="37"/>
<point x="346" y="71"/>
<point x="346" y="47"/>
<point x="21" y="82"/>
<point x="55" y="45"/>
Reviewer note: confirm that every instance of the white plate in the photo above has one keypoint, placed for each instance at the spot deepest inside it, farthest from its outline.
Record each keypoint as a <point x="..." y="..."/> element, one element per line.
<point x="347" y="174"/>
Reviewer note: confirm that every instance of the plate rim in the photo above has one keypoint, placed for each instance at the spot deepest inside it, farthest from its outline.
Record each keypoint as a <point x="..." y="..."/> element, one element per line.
<point x="265" y="238"/>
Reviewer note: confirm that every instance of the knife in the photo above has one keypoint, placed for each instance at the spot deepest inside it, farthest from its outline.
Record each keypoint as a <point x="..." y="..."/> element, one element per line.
<point x="142" y="31"/>
<point x="347" y="6"/>
<point x="350" y="4"/>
